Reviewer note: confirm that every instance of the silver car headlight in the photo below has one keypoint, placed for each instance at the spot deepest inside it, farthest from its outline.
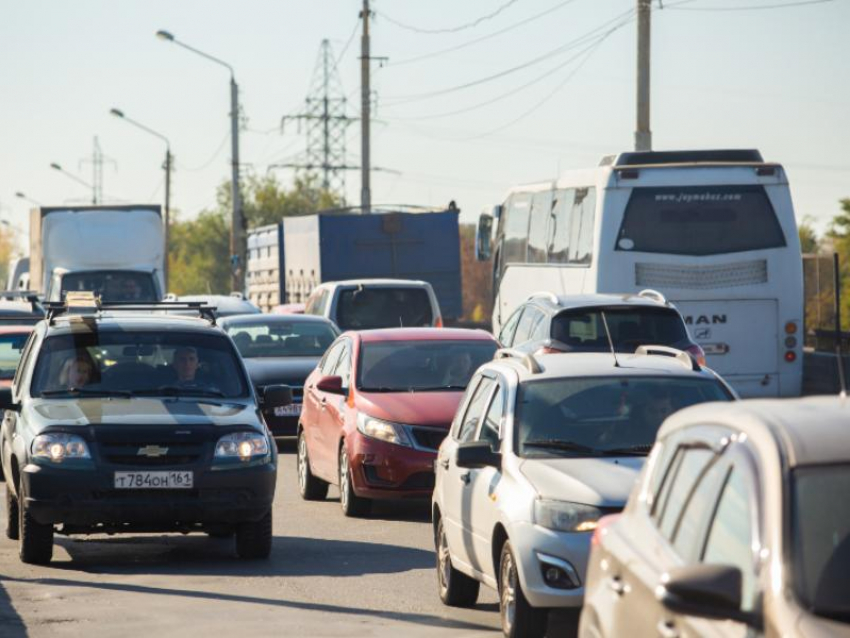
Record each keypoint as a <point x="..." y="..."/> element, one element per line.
<point x="59" y="447"/>
<point x="244" y="446"/>
<point x="383" y="430"/>
<point x="566" y="517"/>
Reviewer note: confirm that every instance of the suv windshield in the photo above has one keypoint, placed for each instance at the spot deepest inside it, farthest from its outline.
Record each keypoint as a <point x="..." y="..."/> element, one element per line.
<point x="11" y="346"/>
<point x="699" y="220"/>
<point x="403" y="366"/>
<point x="584" y="330"/>
<point x="602" y="415"/>
<point x="384" y="307"/>
<point x="282" y="338"/>
<point x="112" y="285"/>
<point x="821" y="540"/>
<point x="108" y="363"/>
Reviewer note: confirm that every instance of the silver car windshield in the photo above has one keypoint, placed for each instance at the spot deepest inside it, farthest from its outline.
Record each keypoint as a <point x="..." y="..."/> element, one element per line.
<point x="113" y="363"/>
<point x="600" y="416"/>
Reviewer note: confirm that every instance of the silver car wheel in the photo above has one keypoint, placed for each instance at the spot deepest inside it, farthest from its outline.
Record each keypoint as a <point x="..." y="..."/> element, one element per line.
<point x="507" y="593"/>
<point x="302" y="464"/>
<point x="445" y="561"/>
<point x="343" y="478"/>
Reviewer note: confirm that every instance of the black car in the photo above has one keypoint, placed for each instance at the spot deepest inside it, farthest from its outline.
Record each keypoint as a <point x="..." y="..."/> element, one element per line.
<point x="281" y="349"/>
<point x="546" y="322"/>
<point x="121" y="421"/>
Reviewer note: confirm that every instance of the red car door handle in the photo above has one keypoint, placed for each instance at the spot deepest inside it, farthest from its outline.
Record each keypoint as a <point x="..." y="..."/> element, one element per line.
<point x="667" y="629"/>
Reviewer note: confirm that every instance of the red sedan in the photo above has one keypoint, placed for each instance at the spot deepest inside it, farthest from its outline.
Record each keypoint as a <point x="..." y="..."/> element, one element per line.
<point x="377" y="408"/>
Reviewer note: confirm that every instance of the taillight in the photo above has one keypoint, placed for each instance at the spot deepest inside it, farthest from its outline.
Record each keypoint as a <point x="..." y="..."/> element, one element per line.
<point x="790" y="356"/>
<point x="790" y="328"/>
<point x="601" y="528"/>
<point x="697" y="353"/>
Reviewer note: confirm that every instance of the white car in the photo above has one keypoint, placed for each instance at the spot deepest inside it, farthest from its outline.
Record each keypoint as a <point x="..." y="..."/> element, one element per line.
<point x="365" y="304"/>
<point x="540" y="449"/>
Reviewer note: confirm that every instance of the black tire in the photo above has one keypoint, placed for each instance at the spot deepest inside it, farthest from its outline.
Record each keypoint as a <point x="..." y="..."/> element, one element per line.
<point x="352" y="505"/>
<point x="456" y="589"/>
<point x="35" y="540"/>
<point x="254" y="540"/>
<point x="310" y="487"/>
<point x="11" y="514"/>
<point x="519" y="618"/>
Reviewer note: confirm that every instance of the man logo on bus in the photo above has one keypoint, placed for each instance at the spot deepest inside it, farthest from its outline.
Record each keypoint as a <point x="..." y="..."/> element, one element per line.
<point x="705" y="320"/>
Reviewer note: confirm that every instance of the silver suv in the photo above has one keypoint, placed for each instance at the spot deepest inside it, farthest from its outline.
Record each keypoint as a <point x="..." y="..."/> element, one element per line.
<point x="540" y="449"/>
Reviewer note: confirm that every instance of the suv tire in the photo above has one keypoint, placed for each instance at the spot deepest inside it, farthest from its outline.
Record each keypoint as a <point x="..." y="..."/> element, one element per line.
<point x="519" y="618"/>
<point x="11" y="515"/>
<point x="310" y="487"/>
<point x="352" y="505"/>
<point x="35" y="540"/>
<point x="254" y="539"/>
<point x="456" y="588"/>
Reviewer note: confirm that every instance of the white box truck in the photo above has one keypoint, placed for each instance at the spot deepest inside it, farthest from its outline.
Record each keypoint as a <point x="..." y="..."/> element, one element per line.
<point x="115" y="251"/>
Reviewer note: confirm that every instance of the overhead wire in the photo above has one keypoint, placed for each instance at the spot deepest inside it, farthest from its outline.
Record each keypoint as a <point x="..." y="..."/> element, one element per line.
<point x="755" y="7"/>
<point x="462" y="27"/>
<point x="212" y="158"/>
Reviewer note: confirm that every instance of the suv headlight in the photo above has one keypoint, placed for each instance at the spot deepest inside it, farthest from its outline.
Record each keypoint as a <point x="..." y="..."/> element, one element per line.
<point x="383" y="430"/>
<point x="244" y="446"/>
<point x="58" y="447"/>
<point x="566" y="517"/>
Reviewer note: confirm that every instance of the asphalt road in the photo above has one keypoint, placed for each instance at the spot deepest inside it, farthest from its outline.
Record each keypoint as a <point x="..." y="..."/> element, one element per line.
<point x="327" y="576"/>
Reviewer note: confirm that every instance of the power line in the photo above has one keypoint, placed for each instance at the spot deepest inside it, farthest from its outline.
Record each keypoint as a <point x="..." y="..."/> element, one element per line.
<point x="550" y="54"/>
<point x="212" y="158"/>
<point x="462" y="27"/>
<point x="756" y="7"/>
<point x="489" y="36"/>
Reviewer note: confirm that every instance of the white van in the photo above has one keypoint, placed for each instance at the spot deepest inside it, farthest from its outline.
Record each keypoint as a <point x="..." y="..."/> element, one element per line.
<point x="714" y="231"/>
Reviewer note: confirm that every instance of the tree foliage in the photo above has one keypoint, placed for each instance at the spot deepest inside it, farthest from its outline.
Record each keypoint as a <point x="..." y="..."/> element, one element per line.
<point x="809" y="242"/>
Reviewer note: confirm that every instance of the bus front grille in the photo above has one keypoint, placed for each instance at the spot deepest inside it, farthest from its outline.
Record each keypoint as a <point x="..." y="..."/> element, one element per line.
<point x="742" y="273"/>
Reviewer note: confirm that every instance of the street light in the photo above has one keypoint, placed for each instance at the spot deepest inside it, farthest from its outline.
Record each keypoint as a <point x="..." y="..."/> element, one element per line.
<point x="168" y="158"/>
<point x="79" y="180"/>
<point x="23" y="196"/>
<point x="237" y="243"/>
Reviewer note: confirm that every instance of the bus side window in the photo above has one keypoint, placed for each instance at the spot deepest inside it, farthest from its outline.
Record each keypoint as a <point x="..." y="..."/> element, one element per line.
<point x="559" y="228"/>
<point x="581" y="237"/>
<point x="516" y="229"/>
<point x="538" y="232"/>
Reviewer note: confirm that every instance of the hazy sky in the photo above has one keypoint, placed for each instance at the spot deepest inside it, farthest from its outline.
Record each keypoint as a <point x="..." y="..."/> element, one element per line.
<point x="724" y="75"/>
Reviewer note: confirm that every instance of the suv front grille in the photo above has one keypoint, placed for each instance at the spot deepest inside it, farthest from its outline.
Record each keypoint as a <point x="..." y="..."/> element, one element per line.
<point x="184" y="459"/>
<point x="168" y="454"/>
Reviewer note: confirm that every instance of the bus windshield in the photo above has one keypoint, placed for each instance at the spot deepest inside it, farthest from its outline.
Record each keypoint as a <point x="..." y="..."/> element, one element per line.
<point x="699" y="220"/>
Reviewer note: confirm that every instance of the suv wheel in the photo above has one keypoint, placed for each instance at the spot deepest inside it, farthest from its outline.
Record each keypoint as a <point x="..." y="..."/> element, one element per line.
<point x="519" y="618"/>
<point x="11" y="514"/>
<point x="352" y="505"/>
<point x="310" y="487"/>
<point x="254" y="539"/>
<point x="456" y="589"/>
<point x="35" y="540"/>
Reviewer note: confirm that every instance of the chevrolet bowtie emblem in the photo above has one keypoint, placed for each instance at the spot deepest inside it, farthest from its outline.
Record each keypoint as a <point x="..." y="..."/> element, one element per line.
<point x="152" y="451"/>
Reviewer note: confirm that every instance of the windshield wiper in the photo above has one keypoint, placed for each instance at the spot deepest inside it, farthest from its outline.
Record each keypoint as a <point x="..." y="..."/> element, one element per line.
<point x="439" y="388"/>
<point x="383" y="388"/>
<point x="176" y="390"/>
<point x="632" y="450"/>
<point x="564" y="446"/>
<point x="87" y="392"/>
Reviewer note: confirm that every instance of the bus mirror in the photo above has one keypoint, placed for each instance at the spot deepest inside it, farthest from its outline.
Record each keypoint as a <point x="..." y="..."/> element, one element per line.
<point x="482" y="239"/>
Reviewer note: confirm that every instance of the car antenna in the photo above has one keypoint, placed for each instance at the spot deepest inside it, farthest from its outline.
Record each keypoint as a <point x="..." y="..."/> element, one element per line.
<point x="610" y="340"/>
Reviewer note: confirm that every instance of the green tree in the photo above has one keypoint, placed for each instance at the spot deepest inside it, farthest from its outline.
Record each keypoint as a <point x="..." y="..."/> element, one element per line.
<point x="839" y="234"/>
<point x="809" y="242"/>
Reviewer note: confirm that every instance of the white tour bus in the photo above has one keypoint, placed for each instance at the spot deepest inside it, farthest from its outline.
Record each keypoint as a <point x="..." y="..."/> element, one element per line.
<point x="712" y="230"/>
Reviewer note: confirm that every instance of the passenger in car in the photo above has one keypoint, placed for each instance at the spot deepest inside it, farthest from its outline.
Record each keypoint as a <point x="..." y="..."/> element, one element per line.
<point x="77" y="371"/>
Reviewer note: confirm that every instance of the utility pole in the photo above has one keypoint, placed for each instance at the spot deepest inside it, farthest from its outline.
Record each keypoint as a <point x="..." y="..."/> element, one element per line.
<point x="643" y="134"/>
<point x="237" y="221"/>
<point x="365" y="114"/>
<point x="168" y="161"/>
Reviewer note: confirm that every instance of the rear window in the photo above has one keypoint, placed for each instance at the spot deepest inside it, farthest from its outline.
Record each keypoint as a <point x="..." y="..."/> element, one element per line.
<point x="366" y="308"/>
<point x="112" y="285"/>
<point x="584" y="330"/>
<point x="699" y="220"/>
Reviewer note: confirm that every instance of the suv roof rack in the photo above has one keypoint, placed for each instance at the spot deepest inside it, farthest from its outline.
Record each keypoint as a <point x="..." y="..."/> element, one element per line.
<point x="680" y="355"/>
<point x="551" y="296"/>
<point x="87" y="303"/>
<point x="25" y="295"/>
<point x="525" y="358"/>
<point x="649" y="293"/>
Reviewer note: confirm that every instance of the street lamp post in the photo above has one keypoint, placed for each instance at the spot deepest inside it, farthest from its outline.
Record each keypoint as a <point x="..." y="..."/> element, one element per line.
<point x="237" y="241"/>
<point x="24" y="197"/>
<point x="79" y="180"/>
<point x="167" y="166"/>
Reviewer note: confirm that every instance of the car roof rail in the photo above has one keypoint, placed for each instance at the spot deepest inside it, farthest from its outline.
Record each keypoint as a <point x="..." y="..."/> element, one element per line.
<point x="87" y="303"/>
<point x="544" y="294"/>
<point x="25" y="295"/>
<point x="680" y="355"/>
<point x="649" y="293"/>
<point x="525" y="358"/>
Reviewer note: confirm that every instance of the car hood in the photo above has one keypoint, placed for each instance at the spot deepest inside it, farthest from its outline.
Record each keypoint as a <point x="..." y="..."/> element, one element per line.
<point x="436" y="409"/>
<point x="137" y="411"/>
<point x="604" y="482"/>
<point x="287" y="370"/>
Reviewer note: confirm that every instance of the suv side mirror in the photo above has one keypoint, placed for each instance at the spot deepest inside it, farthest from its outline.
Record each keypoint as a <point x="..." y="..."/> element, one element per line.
<point x="6" y="402"/>
<point x="330" y="384"/>
<point x="276" y="396"/>
<point x="706" y="591"/>
<point x="483" y="241"/>
<point x="477" y="454"/>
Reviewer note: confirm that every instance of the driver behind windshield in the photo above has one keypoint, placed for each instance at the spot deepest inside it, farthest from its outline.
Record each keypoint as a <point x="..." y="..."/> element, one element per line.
<point x="185" y="364"/>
